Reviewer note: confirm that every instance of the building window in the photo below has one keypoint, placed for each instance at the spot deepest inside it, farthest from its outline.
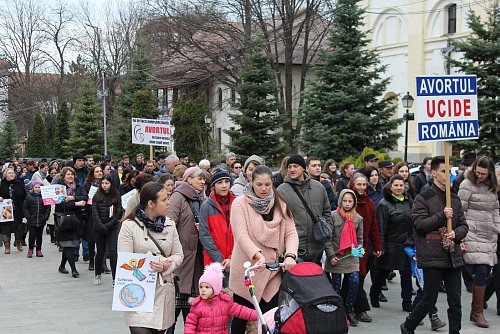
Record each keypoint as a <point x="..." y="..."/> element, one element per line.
<point x="219" y="138"/>
<point x="233" y="95"/>
<point x="219" y="101"/>
<point x="231" y="137"/>
<point x="175" y="95"/>
<point x="452" y="19"/>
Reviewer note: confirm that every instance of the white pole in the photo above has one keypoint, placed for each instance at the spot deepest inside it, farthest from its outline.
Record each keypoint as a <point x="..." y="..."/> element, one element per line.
<point x="104" y="94"/>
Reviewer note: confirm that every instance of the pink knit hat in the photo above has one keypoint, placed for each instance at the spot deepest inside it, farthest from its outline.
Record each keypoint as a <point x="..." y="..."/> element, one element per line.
<point x="213" y="275"/>
<point x="189" y="172"/>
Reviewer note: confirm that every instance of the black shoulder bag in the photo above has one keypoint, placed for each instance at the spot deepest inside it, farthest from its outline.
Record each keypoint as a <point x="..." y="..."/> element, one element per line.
<point x="322" y="231"/>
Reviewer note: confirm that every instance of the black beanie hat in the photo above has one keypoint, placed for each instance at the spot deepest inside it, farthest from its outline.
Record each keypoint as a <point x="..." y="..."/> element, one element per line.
<point x="296" y="159"/>
<point x="220" y="174"/>
<point x="78" y="156"/>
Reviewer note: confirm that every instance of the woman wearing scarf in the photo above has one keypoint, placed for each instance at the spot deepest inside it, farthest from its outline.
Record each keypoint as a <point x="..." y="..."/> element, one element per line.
<point x="184" y="210"/>
<point x="347" y="233"/>
<point x="394" y="222"/>
<point x="137" y="231"/>
<point x="73" y="204"/>
<point x="93" y="179"/>
<point x="12" y="188"/>
<point x="246" y="175"/>
<point x="263" y="231"/>
<point x="41" y="174"/>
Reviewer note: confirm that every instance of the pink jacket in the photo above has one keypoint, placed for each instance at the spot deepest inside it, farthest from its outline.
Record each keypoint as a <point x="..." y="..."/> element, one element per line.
<point x="211" y="316"/>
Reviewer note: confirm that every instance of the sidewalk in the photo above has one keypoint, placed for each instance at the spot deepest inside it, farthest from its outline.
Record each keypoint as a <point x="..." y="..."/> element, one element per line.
<point x="36" y="299"/>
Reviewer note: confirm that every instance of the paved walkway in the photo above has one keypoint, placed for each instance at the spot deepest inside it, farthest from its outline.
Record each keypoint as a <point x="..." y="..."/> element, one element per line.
<point x="36" y="299"/>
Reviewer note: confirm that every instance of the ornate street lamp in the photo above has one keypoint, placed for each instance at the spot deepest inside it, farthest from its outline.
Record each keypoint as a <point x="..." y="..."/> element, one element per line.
<point x="407" y="101"/>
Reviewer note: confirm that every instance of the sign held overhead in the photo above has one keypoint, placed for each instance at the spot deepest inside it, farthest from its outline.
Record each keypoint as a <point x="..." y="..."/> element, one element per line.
<point x="155" y="132"/>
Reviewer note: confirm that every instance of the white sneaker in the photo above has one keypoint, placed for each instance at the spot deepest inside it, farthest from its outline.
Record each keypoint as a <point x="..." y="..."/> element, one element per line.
<point x="97" y="280"/>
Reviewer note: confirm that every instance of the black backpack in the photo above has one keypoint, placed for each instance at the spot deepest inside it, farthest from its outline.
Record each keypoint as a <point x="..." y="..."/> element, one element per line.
<point x="307" y="303"/>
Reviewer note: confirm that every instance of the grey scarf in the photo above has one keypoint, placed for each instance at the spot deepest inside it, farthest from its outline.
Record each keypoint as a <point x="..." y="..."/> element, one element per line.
<point x="261" y="205"/>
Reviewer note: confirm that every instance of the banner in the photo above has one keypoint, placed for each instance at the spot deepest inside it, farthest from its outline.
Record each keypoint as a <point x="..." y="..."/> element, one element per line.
<point x="53" y="194"/>
<point x="156" y="132"/>
<point x="6" y="211"/>
<point x="126" y="197"/>
<point x="447" y="108"/>
<point x="135" y="283"/>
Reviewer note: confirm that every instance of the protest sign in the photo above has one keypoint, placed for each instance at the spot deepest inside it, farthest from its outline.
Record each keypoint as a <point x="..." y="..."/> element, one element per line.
<point x="91" y="194"/>
<point x="6" y="211"/>
<point x="126" y="198"/>
<point x="53" y="194"/>
<point x="135" y="283"/>
<point x="155" y="132"/>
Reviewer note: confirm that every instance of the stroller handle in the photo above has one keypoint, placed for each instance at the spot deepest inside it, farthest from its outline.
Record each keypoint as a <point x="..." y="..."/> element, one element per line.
<point x="272" y="266"/>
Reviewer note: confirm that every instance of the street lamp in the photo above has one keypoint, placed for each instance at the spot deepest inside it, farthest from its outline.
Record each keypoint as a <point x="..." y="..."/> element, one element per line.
<point x="407" y="101"/>
<point x="208" y="121"/>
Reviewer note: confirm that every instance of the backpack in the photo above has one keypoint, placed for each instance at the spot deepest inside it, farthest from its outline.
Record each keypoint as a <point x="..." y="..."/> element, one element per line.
<point x="307" y="303"/>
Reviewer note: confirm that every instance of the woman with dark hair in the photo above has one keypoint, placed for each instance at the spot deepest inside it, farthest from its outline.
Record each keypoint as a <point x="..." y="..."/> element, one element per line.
<point x="106" y="213"/>
<point x="394" y="220"/>
<point x="41" y="174"/>
<point x="93" y="179"/>
<point x="263" y="230"/>
<point x="168" y="183"/>
<point x="140" y="181"/>
<point x="128" y="183"/>
<point x="403" y="169"/>
<point x="141" y="228"/>
<point x="185" y="205"/>
<point x="13" y="188"/>
<point x="330" y="169"/>
<point x="478" y="193"/>
<point x="347" y="172"/>
<point x="374" y="187"/>
<point x="423" y="179"/>
<point x="73" y="205"/>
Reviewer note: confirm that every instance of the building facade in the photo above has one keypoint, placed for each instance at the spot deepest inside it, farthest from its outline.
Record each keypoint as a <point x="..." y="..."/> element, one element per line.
<point x="412" y="38"/>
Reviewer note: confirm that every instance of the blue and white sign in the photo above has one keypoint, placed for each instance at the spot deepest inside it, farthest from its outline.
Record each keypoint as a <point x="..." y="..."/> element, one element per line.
<point x="447" y="108"/>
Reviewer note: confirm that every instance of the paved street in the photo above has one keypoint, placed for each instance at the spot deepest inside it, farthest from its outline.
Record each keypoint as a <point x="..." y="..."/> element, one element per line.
<point x="35" y="298"/>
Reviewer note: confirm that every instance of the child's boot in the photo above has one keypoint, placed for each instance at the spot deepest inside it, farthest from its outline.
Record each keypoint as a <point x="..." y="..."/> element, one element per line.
<point x="30" y="253"/>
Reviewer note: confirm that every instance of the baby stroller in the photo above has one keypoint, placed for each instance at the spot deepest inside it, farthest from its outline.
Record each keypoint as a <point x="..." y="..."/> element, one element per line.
<point x="307" y="302"/>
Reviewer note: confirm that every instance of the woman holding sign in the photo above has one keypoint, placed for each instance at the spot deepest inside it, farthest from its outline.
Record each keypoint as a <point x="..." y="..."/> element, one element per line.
<point x="146" y="229"/>
<point x="91" y="185"/>
<point x="12" y="188"/>
<point x="478" y="193"/>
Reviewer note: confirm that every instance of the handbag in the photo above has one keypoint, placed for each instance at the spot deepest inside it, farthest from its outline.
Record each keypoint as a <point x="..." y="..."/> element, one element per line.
<point x="64" y="221"/>
<point x="322" y="231"/>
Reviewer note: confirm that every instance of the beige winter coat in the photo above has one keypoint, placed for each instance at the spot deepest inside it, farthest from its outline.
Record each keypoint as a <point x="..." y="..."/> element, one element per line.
<point x="481" y="212"/>
<point x="133" y="238"/>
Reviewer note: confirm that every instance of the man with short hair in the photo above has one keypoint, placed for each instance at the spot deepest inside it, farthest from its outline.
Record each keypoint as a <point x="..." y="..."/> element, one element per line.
<point x="385" y="171"/>
<point x="440" y="260"/>
<point x="126" y="162"/>
<point x="184" y="159"/>
<point x="230" y="159"/>
<point x="79" y="167"/>
<point x="171" y="162"/>
<point x="89" y="163"/>
<point x="150" y="167"/>
<point x="314" y="170"/>
<point x="139" y="162"/>
<point x="160" y="162"/>
<point x="315" y="196"/>
<point x="30" y="166"/>
<point x="370" y="160"/>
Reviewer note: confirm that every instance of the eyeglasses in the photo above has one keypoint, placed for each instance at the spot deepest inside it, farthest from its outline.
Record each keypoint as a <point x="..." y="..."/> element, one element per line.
<point x="239" y="167"/>
<point x="481" y="174"/>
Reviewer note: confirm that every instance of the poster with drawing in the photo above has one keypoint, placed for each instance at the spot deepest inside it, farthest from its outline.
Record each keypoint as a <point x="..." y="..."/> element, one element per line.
<point x="135" y="283"/>
<point x="6" y="211"/>
<point x="53" y="194"/>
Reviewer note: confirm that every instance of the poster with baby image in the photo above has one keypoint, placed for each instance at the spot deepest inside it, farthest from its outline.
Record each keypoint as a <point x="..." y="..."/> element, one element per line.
<point x="53" y="194"/>
<point x="6" y="211"/>
<point x="135" y="283"/>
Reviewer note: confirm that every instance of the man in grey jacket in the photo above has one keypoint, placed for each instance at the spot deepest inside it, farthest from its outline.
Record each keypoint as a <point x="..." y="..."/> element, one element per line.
<point x="316" y="198"/>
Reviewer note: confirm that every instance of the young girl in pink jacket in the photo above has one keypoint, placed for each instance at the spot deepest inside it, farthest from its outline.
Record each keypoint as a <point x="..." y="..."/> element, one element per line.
<point x="210" y="311"/>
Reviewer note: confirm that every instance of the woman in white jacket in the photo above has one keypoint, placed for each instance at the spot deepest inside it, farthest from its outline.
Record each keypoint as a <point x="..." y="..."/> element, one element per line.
<point x="478" y="193"/>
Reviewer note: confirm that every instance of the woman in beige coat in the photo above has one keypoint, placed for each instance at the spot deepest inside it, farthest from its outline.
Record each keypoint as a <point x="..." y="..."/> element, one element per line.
<point x="263" y="231"/>
<point x="140" y="226"/>
<point x="478" y="193"/>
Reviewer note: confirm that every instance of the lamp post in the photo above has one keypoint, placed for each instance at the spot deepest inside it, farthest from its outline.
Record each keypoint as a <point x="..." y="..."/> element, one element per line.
<point x="407" y="101"/>
<point x="208" y="121"/>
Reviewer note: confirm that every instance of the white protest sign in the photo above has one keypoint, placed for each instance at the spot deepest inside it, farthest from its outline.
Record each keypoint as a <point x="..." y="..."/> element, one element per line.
<point x="156" y="132"/>
<point x="6" y="211"/>
<point x="447" y="108"/>
<point x="126" y="198"/>
<point x="92" y="191"/>
<point x="135" y="283"/>
<point x="53" y="194"/>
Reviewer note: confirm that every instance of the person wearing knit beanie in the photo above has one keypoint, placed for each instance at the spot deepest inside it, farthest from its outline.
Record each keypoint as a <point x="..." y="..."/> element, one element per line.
<point x="296" y="159"/>
<point x="210" y="283"/>
<point x="219" y="174"/>
<point x="191" y="172"/>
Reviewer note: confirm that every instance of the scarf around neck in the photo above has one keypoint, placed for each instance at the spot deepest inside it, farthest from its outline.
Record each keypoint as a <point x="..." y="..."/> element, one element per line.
<point x="155" y="226"/>
<point x="70" y="188"/>
<point x="261" y="205"/>
<point x="400" y="198"/>
<point x="348" y="237"/>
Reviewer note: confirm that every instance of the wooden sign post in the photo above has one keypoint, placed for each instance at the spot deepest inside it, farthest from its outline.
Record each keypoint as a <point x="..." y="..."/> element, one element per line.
<point x="448" y="186"/>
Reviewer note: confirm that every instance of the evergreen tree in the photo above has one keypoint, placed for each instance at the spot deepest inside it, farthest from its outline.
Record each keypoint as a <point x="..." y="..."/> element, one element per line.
<point x="8" y="139"/>
<point x="258" y="119"/>
<point x="137" y="100"/>
<point x="61" y="132"/>
<point x="36" y="145"/>
<point x="189" y="122"/>
<point x="343" y="110"/>
<point x="481" y="52"/>
<point x="85" y="130"/>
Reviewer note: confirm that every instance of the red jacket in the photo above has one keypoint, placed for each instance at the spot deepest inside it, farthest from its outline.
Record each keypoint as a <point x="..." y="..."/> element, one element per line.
<point x="211" y="316"/>
<point x="216" y="234"/>
<point x="371" y="235"/>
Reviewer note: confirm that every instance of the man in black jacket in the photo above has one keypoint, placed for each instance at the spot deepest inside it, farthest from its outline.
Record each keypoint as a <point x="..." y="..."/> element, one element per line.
<point x="429" y="215"/>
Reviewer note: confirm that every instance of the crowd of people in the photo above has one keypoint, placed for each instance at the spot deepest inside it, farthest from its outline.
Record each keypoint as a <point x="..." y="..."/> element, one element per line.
<point x="207" y="219"/>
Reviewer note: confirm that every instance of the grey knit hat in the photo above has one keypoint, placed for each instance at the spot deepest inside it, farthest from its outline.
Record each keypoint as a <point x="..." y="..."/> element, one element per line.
<point x="255" y="159"/>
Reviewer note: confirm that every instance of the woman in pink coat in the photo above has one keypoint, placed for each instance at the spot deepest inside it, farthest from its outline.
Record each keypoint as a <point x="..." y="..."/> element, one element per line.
<point x="210" y="311"/>
<point x="263" y="231"/>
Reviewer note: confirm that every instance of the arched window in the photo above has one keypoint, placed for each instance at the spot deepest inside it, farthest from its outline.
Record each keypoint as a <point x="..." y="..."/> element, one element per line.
<point x="219" y="102"/>
<point x="451" y="19"/>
